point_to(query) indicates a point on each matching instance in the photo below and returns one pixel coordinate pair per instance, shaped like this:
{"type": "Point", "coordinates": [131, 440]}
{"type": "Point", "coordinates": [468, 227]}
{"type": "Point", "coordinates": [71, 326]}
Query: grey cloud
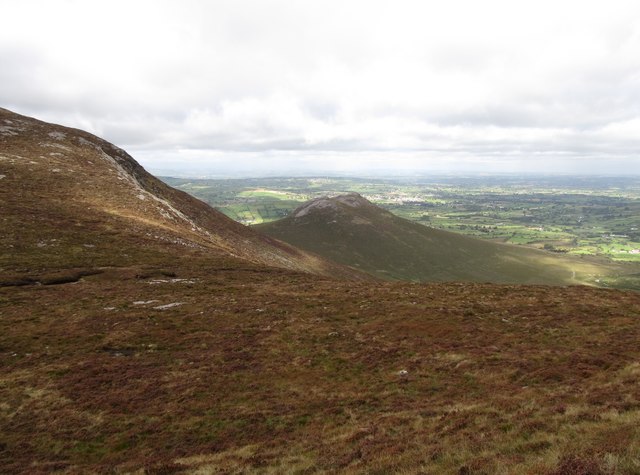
{"type": "Point", "coordinates": [264, 77]}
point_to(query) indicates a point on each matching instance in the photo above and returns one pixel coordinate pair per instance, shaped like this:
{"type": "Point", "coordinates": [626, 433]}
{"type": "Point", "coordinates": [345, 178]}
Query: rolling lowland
{"type": "Point", "coordinates": [141, 331]}
{"type": "Point", "coordinates": [574, 215]}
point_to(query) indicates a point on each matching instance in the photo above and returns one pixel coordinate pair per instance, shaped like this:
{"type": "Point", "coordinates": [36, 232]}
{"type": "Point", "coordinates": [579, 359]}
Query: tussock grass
{"type": "Point", "coordinates": [262, 372]}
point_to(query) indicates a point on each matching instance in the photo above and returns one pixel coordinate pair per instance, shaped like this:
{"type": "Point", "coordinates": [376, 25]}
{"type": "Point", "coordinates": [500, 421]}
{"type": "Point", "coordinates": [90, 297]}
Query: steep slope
{"type": "Point", "coordinates": [69, 198]}
{"type": "Point", "coordinates": [353, 231]}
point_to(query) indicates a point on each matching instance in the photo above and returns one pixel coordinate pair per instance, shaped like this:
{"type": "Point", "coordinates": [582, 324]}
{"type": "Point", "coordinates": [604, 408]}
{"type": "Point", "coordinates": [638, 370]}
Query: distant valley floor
{"type": "Point", "coordinates": [572, 216]}
{"type": "Point", "coordinates": [578, 215]}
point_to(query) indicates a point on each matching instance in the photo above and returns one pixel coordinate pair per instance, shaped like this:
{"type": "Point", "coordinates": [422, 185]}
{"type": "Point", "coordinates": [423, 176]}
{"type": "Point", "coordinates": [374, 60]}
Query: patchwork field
{"type": "Point", "coordinates": [584, 216]}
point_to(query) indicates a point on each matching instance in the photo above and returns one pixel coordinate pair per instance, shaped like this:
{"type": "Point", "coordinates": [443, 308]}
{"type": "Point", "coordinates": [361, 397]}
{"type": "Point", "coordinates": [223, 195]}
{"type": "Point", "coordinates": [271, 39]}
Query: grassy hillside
{"type": "Point", "coordinates": [150, 336]}
{"type": "Point", "coordinates": [350, 230]}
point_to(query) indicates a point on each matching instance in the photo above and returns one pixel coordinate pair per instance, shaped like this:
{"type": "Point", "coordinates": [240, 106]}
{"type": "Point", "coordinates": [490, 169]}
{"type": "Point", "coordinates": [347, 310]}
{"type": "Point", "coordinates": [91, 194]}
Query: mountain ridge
{"type": "Point", "coordinates": [84, 178]}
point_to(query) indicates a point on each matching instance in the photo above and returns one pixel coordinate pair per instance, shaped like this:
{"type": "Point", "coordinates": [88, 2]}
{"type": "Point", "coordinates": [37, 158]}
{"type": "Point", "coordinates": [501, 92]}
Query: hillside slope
{"type": "Point", "coordinates": [351, 230]}
{"type": "Point", "coordinates": [70, 199]}
{"type": "Point", "coordinates": [150, 348]}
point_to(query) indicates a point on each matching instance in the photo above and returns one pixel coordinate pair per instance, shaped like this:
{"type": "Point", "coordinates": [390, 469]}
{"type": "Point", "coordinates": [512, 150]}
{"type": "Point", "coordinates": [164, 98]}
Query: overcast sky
{"type": "Point", "coordinates": [276, 87]}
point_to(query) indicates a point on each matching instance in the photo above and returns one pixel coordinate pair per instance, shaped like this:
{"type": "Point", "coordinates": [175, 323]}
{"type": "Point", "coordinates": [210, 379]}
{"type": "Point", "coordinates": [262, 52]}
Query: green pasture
{"type": "Point", "coordinates": [581, 216]}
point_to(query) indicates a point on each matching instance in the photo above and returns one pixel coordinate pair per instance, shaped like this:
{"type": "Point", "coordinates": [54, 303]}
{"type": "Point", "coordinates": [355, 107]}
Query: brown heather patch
{"type": "Point", "coordinates": [270, 372]}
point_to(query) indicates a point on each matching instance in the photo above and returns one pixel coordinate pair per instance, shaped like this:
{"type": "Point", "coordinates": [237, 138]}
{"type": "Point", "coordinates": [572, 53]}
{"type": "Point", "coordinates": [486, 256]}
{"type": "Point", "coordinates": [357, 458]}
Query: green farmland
{"type": "Point", "coordinates": [583, 216]}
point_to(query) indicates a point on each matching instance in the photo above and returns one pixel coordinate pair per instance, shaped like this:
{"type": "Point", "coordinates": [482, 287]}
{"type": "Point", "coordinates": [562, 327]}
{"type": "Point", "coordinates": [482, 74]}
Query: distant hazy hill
{"type": "Point", "coordinates": [353, 231]}
{"type": "Point", "coordinates": [70, 199]}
